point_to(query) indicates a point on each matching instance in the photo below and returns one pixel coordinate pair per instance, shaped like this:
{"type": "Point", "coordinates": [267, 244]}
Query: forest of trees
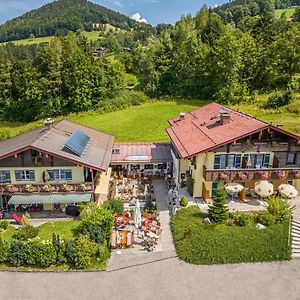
{"type": "Point", "coordinates": [198, 58]}
{"type": "Point", "coordinates": [59, 17]}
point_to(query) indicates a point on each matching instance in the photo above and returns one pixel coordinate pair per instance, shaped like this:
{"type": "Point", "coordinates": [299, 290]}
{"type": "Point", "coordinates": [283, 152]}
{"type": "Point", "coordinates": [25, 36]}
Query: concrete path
{"type": "Point", "coordinates": [165, 248]}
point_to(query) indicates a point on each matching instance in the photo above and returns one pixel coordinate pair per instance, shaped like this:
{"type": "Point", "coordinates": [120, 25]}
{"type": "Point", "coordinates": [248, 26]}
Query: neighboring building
{"type": "Point", "coordinates": [142, 158]}
{"type": "Point", "coordinates": [215, 144]}
{"type": "Point", "coordinates": [61, 162]}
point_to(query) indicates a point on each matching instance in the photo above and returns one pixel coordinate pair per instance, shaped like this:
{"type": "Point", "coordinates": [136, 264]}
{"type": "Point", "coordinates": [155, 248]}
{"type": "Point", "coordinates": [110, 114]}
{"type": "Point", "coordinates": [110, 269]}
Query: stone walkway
{"type": "Point", "coordinates": [164, 250]}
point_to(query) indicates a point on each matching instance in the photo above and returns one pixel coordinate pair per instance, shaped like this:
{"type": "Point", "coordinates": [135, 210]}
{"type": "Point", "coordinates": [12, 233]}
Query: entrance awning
{"type": "Point", "coordinates": [50, 199]}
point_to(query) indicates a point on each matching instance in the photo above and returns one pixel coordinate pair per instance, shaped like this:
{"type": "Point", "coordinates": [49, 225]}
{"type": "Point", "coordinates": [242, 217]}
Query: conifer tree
{"type": "Point", "coordinates": [218, 211]}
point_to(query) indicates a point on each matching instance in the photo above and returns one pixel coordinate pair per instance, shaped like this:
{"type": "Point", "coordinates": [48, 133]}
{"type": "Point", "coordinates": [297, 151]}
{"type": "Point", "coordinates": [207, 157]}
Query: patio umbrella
{"type": "Point", "coordinates": [288, 191]}
{"type": "Point", "coordinates": [137, 215]}
{"type": "Point", "coordinates": [233, 187]}
{"type": "Point", "coordinates": [264, 188]}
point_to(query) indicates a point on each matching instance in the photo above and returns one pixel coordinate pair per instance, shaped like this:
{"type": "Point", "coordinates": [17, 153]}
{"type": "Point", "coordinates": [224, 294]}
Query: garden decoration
{"type": "Point", "coordinates": [233, 187]}
{"type": "Point", "coordinates": [264, 188]}
{"type": "Point", "coordinates": [288, 191]}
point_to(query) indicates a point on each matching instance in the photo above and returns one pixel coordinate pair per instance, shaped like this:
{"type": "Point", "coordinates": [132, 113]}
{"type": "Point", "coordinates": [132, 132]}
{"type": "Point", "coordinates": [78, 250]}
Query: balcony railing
{"type": "Point", "coordinates": [251, 174]}
{"type": "Point", "coordinates": [46, 188]}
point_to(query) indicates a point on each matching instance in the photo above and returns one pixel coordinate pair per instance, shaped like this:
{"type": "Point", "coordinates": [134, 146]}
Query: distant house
{"type": "Point", "coordinates": [60, 163]}
{"type": "Point", "coordinates": [214, 144]}
{"type": "Point", "coordinates": [98, 53]}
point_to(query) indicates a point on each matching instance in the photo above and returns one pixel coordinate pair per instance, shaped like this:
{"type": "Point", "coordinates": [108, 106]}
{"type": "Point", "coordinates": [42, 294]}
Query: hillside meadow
{"type": "Point", "coordinates": [147, 122]}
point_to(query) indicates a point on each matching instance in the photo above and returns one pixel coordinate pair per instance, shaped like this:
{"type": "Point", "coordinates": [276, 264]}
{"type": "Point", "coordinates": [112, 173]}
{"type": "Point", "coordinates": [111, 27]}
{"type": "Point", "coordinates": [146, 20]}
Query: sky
{"type": "Point", "coordinates": [154, 11]}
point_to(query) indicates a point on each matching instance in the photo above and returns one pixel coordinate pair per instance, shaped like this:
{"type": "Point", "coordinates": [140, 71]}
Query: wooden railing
{"type": "Point", "coordinates": [46, 188]}
{"type": "Point", "coordinates": [251, 174]}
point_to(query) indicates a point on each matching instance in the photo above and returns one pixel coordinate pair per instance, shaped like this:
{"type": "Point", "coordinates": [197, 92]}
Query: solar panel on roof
{"type": "Point", "coordinates": [77, 142]}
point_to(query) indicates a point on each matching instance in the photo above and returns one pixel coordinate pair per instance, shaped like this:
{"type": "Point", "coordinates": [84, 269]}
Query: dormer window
{"type": "Point", "coordinates": [116, 151]}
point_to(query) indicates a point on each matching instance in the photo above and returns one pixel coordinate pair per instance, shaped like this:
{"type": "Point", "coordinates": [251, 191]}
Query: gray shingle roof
{"type": "Point", "coordinates": [52, 141]}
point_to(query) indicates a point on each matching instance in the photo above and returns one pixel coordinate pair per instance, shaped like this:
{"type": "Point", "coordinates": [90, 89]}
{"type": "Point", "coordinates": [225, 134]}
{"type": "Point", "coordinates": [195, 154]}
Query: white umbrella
{"type": "Point", "coordinates": [288, 191]}
{"type": "Point", "coordinates": [233, 187]}
{"type": "Point", "coordinates": [137, 215]}
{"type": "Point", "coordinates": [264, 188]}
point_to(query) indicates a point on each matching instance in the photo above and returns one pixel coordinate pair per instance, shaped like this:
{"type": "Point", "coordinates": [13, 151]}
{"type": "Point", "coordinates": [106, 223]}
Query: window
{"type": "Point", "coordinates": [230, 161]}
{"type": "Point", "coordinates": [5, 177]}
{"type": "Point", "coordinates": [60, 175]}
{"type": "Point", "coordinates": [25, 175]}
{"type": "Point", "coordinates": [116, 151]}
{"type": "Point", "coordinates": [162, 166]}
{"type": "Point", "coordinates": [148, 167]}
{"type": "Point", "coordinates": [224, 161]}
{"type": "Point", "coordinates": [291, 158]}
{"type": "Point", "coordinates": [135, 167]}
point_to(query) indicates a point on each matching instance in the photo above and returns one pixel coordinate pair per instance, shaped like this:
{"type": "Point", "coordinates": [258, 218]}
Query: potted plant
{"type": "Point", "coordinates": [85, 187]}
{"type": "Point", "coordinates": [30, 188]}
{"type": "Point", "coordinates": [264, 175]}
{"type": "Point", "coordinates": [243, 175]}
{"type": "Point", "coordinates": [224, 176]}
{"type": "Point", "coordinates": [67, 188]}
{"type": "Point", "coordinates": [281, 174]}
{"type": "Point", "coordinates": [47, 188]}
{"type": "Point", "coordinates": [296, 173]}
{"type": "Point", "coordinates": [12, 189]}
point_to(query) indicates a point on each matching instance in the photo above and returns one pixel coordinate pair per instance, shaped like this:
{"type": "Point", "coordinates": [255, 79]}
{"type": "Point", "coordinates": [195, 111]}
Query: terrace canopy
{"type": "Point", "coordinates": [49, 199]}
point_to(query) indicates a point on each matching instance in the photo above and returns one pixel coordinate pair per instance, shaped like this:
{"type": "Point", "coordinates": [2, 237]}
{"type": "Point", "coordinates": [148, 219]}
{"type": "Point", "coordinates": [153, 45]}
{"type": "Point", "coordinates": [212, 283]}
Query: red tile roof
{"type": "Point", "coordinates": [199, 130]}
{"type": "Point", "coordinates": [141, 153]}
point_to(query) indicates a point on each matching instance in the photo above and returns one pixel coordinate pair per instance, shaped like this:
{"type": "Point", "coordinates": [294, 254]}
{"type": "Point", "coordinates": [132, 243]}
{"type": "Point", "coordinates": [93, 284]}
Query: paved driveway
{"type": "Point", "coordinates": [163, 279]}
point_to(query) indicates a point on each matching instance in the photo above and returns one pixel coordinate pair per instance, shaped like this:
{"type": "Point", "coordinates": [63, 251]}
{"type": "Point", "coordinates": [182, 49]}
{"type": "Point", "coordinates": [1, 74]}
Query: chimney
{"type": "Point", "coordinates": [279, 125]}
{"type": "Point", "coordinates": [182, 115]}
{"type": "Point", "coordinates": [224, 117]}
{"type": "Point", "coordinates": [48, 123]}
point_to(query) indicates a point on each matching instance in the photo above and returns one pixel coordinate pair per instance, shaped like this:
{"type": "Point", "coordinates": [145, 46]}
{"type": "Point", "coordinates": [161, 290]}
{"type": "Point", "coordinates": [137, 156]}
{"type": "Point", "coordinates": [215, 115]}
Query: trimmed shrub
{"type": "Point", "coordinates": [218, 211]}
{"type": "Point", "coordinates": [4, 250]}
{"type": "Point", "coordinates": [99, 216]}
{"type": "Point", "coordinates": [60, 249]}
{"type": "Point", "coordinates": [242, 219]}
{"type": "Point", "coordinates": [183, 202]}
{"type": "Point", "coordinates": [95, 233]}
{"type": "Point", "coordinates": [40, 254]}
{"type": "Point", "coordinates": [85, 252]}
{"type": "Point", "coordinates": [279, 208]}
{"type": "Point", "coordinates": [26, 233]}
{"type": "Point", "coordinates": [18, 253]}
{"type": "Point", "coordinates": [3, 225]}
{"type": "Point", "coordinates": [115, 206]}
{"type": "Point", "coordinates": [70, 252]}
{"type": "Point", "coordinates": [150, 207]}
{"type": "Point", "coordinates": [190, 185]}
{"type": "Point", "coordinates": [102, 253]}
{"type": "Point", "coordinates": [265, 218]}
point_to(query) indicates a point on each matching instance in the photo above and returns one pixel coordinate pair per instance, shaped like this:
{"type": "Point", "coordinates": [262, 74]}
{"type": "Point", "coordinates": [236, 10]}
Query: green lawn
{"type": "Point", "coordinates": [92, 36]}
{"type": "Point", "coordinates": [65, 229]}
{"type": "Point", "coordinates": [199, 243]}
{"type": "Point", "coordinates": [144, 123]}
{"type": "Point", "coordinates": [289, 12]}
{"type": "Point", "coordinates": [147, 122]}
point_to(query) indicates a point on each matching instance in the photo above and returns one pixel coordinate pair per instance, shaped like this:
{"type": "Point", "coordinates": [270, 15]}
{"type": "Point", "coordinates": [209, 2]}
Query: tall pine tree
{"type": "Point", "coordinates": [218, 211]}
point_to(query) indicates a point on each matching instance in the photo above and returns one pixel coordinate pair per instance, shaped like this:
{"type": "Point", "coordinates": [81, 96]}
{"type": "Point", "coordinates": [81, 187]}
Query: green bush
{"type": "Point", "coordinates": [4, 250]}
{"type": "Point", "coordinates": [190, 185]}
{"type": "Point", "coordinates": [102, 253]}
{"type": "Point", "coordinates": [294, 107]}
{"type": "Point", "coordinates": [95, 233]}
{"type": "Point", "coordinates": [115, 205]}
{"type": "Point", "coordinates": [3, 225]}
{"type": "Point", "coordinates": [280, 99]}
{"type": "Point", "coordinates": [26, 233]}
{"type": "Point", "coordinates": [60, 249]}
{"type": "Point", "coordinates": [85, 252]}
{"type": "Point", "coordinates": [265, 218]}
{"type": "Point", "coordinates": [40, 254]}
{"type": "Point", "coordinates": [184, 202]}
{"type": "Point", "coordinates": [149, 207]}
{"type": "Point", "coordinates": [242, 219]}
{"type": "Point", "coordinates": [279, 208]}
{"type": "Point", "coordinates": [18, 253]}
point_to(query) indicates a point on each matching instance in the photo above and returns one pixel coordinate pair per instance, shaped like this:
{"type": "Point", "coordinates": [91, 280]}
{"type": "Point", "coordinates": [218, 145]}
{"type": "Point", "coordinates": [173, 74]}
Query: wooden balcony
{"type": "Point", "coordinates": [46, 188]}
{"type": "Point", "coordinates": [251, 174]}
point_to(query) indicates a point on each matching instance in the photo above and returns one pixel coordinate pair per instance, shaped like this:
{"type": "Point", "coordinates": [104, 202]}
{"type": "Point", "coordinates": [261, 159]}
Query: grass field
{"type": "Point", "coordinates": [289, 12]}
{"type": "Point", "coordinates": [92, 36]}
{"type": "Point", "coordinates": [147, 122]}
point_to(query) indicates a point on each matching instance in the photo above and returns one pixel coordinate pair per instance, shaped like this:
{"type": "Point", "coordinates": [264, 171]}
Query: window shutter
{"type": "Point", "coordinates": [7, 175]}
{"type": "Point", "coordinates": [238, 161]}
{"type": "Point", "coordinates": [51, 174]}
{"type": "Point", "coordinates": [68, 174]}
{"type": "Point", "coordinates": [217, 161]}
{"type": "Point", "coordinates": [31, 175]}
{"type": "Point", "coordinates": [18, 175]}
{"type": "Point", "coordinates": [266, 160]}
